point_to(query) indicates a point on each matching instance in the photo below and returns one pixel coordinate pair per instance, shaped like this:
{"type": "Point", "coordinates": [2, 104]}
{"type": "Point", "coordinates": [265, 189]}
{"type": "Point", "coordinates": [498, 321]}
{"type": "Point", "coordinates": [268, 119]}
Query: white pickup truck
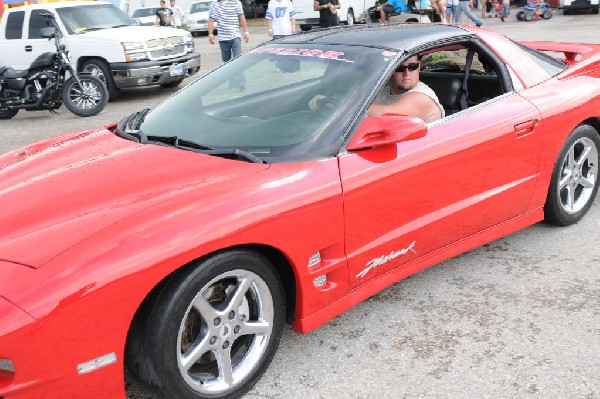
{"type": "Point", "coordinates": [102, 40]}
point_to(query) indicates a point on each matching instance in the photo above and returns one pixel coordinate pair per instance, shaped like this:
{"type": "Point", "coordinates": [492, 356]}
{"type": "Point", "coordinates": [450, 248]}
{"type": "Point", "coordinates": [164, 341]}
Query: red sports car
{"type": "Point", "coordinates": [176, 243]}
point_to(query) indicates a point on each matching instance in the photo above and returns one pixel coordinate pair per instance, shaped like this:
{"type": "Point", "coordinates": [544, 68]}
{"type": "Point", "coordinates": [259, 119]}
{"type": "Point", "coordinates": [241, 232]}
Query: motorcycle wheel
{"type": "Point", "coordinates": [87, 100]}
{"type": "Point", "coordinates": [6, 112]}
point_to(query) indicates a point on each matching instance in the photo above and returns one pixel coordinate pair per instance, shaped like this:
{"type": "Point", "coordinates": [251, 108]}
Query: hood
{"type": "Point", "coordinates": [54, 195]}
{"type": "Point", "coordinates": [134, 33]}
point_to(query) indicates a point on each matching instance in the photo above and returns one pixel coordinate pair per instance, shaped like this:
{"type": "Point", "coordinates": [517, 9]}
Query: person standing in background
{"type": "Point", "coordinates": [178, 15]}
{"type": "Point", "coordinates": [464, 6]}
{"type": "Point", "coordinates": [281, 18]}
{"type": "Point", "coordinates": [505, 9]}
{"type": "Point", "coordinates": [164, 15]}
{"type": "Point", "coordinates": [229, 15]}
{"type": "Point", "coordinates": [327, 12]}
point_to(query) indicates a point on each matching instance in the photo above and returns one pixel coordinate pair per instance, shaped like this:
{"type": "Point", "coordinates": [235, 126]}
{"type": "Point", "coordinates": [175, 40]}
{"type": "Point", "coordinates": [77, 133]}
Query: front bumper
{"type": "Point", "coordinates": [148, 73]}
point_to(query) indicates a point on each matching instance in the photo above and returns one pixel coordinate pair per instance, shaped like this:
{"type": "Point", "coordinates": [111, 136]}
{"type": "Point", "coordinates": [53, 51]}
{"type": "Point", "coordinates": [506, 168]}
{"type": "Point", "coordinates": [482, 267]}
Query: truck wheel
{"type": "Point", "coordinates": [101, 70]}
{"type": "Point", "coordinates": [350, 19]}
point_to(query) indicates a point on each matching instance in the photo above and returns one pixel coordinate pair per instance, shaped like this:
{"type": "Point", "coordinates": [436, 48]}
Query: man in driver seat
{"type": "Point", "coordinates": [408, 95]}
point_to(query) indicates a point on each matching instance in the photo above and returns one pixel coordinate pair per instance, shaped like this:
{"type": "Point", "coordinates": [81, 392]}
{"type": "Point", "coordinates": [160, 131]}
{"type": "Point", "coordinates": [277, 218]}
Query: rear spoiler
{"type": "Point", "coordinates": [581, 57]}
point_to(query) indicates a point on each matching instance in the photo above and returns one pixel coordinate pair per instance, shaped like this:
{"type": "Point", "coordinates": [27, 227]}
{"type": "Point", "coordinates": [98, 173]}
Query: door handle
{"type": "Point", "coordinates": [525, 128]}
{"type": "Point", "coordinates": [28, 48]}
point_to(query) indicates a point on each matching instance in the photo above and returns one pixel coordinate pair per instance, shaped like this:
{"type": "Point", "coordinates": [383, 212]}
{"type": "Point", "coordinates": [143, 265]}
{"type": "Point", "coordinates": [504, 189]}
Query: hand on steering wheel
{"type": "Point", "coordinates": [321, 102]}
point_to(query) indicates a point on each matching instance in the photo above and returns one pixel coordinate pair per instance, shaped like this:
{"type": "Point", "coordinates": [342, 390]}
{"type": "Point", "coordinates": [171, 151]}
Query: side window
{"type": "Point", "coordinates": [449, 63]}
{"type": "Point", "coordinates": [14, 25]}
{"type": "Point", "coordinates": [36, 23]}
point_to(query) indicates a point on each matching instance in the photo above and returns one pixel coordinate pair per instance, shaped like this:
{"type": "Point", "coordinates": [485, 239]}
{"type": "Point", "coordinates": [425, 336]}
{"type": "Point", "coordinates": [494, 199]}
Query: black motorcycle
{"type": "Point", "coordinates": [44, 85]}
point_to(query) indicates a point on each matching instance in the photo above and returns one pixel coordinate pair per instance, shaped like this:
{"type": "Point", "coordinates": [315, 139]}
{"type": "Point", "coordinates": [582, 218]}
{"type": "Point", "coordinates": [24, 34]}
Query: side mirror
{"type": "Point", "coordinates": [48, 32]}
{"type": "Point", "coordinates": [377, 131]}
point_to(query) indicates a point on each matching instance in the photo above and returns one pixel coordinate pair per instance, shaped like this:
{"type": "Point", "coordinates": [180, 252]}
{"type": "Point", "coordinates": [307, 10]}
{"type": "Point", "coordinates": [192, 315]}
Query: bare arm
{"type": "Point", "coordinates": [245, 28]}
{"type": "Point", "coordinates": [211, 29]}
{"type": "Point", "coordinates": [415, 104]}
{"type": "Point", "coordinates": [317, 6]}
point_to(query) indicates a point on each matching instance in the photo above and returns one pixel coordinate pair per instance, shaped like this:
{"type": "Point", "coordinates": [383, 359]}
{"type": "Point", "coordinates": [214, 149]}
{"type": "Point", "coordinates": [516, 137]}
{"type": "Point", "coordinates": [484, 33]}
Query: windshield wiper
{"type": "Point", "coordinates": [229, 153]}
{"type": "Point", "coordinates": [235, 154]}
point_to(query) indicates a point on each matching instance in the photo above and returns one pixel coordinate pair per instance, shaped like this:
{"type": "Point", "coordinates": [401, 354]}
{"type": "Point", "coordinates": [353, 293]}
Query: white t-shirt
{"type": "Point", "coordinates": [385, 98]}
{"type": "Point", "coordinates": [178, 14]}
{"type": "Point", "coordinates": [280, 13]}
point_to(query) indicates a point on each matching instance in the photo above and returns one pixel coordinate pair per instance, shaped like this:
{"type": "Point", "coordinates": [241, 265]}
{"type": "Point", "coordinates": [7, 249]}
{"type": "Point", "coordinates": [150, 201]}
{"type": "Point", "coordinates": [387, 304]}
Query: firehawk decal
{"type": "Point", "coordinates": [372, 264]}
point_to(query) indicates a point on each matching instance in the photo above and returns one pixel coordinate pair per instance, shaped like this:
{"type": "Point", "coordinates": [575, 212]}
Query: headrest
{"type": "Point", "coordinates": [447, 89]}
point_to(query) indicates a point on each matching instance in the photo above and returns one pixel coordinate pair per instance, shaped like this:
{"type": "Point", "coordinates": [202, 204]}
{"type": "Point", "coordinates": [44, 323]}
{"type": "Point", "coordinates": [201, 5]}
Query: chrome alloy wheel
{"type": "Point", "coordinates": [225, 332]}
{"type": "Point", "coordinates": [579, 175]}
{"type": "Point", "coordinates": [95, 70]}
{"type": "Point", "coordinates": [86, 97]}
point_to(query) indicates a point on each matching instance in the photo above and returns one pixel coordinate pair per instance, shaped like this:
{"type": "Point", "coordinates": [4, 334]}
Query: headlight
{"type": "Point", "coordinates": [128, 46]}
{"type": "Point", "coordinates": [134, 51]}
{"type": "Point", "coordinates": [188, 38]}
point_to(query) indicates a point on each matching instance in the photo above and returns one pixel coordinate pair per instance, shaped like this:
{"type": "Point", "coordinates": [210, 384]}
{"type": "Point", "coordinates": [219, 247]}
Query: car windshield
{"type": "Point", "coordinates": [270, 116]}
{"type": "Point", "coordinates": [144, 12]}
{"type": "Point", "coordinates": [81, 19]}
{"type": "Point", "coordinates": [199, 7]}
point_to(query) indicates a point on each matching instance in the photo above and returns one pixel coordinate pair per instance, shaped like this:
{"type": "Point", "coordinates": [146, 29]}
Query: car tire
{"type": "Point", "coordinates": [350, 18]}
{"type": "Point", "coordinates": [6, 112]}
{"type": "Point", "coordinates": [210, 330]}
{"type": "Point", "coordinates": [101, 70]}
{"type": "Point", "coordinates": [574, 182]}
{"type": "Point", "coordinates": [305, 28]}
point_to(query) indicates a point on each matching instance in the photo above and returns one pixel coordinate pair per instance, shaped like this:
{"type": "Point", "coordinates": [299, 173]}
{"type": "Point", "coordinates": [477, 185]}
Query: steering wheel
{"type": "Point", "coordinates": [328, 103]}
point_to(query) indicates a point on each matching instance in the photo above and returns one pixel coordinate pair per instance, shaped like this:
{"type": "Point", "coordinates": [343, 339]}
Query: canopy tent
{"type": "Point", "coordinates": [4, 4]}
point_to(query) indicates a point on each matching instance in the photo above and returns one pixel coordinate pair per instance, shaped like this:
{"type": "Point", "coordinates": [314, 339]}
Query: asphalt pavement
{"type": "Point", "coordinates": [516, 318]}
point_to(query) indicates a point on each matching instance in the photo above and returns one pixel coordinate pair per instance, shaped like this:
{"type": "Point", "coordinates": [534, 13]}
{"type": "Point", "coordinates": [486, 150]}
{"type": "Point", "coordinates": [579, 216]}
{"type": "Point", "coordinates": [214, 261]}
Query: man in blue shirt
{"type": "Point", "coordinates": [392, 7]}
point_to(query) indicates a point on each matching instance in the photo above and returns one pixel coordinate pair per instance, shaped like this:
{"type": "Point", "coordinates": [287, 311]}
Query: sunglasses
{"type": "Point", "coordinates": [411, 67]}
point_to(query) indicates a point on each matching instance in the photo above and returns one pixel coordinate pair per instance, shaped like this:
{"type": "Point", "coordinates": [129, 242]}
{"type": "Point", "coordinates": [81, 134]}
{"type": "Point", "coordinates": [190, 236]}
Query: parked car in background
{"type": "Point", "coordinates": [145, 16]}
{"type": "Point", "coordinates": [197, 18]}
{"type": "Point", "coordinates": [351, 12]}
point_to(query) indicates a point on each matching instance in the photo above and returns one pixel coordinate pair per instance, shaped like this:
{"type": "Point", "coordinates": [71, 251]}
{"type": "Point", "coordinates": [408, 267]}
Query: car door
{"type": "Point", "coordinates": [471, 171]}
{"type": "Point", "coordinates": [31, 44]}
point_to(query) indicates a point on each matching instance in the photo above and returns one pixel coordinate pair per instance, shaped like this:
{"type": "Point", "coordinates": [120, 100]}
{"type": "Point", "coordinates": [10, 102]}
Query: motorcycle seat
{"type": "Point", "coordinates": [9, 73]}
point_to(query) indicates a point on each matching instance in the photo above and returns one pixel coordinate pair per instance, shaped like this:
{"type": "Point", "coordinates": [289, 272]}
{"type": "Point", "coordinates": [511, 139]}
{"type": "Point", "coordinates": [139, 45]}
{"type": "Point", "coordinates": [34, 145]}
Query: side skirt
{"type": "Point", "coordinates": [363, 292]}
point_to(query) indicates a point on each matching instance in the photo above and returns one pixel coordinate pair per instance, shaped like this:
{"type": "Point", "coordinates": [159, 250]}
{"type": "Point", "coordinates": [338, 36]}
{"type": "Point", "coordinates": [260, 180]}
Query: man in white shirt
{"type": "Point", "coordinates": [408, 95]}
{"type": "Point", "coordinates": [178, 15]}
{"type": "Point", "coordinates": [281, 18]}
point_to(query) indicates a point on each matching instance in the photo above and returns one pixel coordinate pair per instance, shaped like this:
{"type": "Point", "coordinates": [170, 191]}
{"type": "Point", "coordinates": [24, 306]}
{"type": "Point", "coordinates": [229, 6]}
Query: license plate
{"type": "Point", "coordinates": [175, 70]}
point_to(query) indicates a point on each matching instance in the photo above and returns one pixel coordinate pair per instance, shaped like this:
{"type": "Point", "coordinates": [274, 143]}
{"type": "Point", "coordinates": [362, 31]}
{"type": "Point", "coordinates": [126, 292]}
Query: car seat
{"type": "Point", "coordinates": [448, 91]}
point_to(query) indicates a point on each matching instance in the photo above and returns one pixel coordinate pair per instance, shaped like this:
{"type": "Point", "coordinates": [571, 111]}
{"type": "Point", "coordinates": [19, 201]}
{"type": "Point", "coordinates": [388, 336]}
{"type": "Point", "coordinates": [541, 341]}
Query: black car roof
{"type": "Point", "coordinates": [390, 36]}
